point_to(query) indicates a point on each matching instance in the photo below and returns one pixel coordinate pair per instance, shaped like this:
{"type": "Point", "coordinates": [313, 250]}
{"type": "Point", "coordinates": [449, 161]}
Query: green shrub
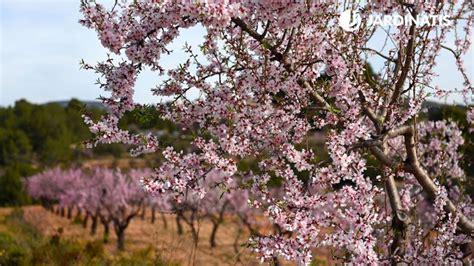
{"type": "Point", "coordinates": [22, 244]}
{"type": "Point", "coordinates": [10, 252]}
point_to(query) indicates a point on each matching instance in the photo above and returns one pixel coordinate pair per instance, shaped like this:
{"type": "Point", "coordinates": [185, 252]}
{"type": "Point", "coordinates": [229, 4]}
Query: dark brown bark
{"type": "Point", "coordinates": [212, 239]}
{"type": "Point", "coordinates": [153, 215]}
{"type": "Point", "coordinates": [143, 213]}
{"type": "Point", "coordinates": [78, 213]}
{"type": "Point", "coordinates": [94, 224]}
{"type": "Point", "coordinates": [120, 238]}
{"type": "Point", "coordinates": [69, 212]}
{"type": "Point", "coordinates": [106, 232]}
{"type": "Point", "coordinates": [86, 219]}
{"type": "Point", "coordinates": [163, 219]}
{"type": "Point", "coordinates": [179, 226]}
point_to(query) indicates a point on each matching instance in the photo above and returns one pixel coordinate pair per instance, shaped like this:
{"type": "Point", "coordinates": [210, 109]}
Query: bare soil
{"type": "Point", "coordinates": [142, 234]}
{"type": "Point", "coordinates": [164, 241]}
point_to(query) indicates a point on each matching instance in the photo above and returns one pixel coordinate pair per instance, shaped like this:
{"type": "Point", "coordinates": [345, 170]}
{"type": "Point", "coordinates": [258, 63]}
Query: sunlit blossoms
{"type": "Point", "coordinates": [270, 76]}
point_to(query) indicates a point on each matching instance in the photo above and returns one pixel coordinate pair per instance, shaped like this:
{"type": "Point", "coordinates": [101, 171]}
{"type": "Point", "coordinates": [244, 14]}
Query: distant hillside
{"type": "Point", "coordinates": [89, 104]}
{"type": "Point", "coordinates": [431, 105]}
{"type": "Point", "coordinates": [438, 111]}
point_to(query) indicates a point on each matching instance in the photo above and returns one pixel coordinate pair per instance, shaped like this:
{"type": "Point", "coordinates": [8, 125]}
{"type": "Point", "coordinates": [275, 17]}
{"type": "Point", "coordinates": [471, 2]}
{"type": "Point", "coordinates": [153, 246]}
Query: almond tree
{"type": "Point", "coordinates": [269, 75]}
{"type": "Point", "coordinates": [54, 186]}
{"type": "Point", "coordinates": [107, 195]}
{"type": "Point", "coordinates": [122, 197]}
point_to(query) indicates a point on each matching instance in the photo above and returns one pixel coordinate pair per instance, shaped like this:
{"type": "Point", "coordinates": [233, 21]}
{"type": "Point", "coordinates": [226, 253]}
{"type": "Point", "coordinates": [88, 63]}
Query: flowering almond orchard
{"type": "Point", "coordinates": [111, 196]}
{"type": "Point", "coordinates": [272, 74]}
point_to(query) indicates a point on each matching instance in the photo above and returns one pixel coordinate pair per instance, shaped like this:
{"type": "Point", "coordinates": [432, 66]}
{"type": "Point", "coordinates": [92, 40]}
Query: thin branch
{"type": "Point", "coordinates": [406, 65]}
{"type": "Point", "coordinates": [379, 54]}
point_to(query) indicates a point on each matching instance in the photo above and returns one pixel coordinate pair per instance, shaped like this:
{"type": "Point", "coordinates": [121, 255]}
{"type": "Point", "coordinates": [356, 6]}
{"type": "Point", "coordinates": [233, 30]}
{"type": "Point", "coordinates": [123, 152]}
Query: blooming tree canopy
{"type": "Point", "coordinates": [109, 194]}
{"type": "Point", "coordinates": [271, 75]}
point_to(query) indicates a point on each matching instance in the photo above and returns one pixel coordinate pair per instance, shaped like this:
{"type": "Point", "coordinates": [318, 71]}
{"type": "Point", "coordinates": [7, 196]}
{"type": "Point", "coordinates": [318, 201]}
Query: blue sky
{"type": "Point", "coordinates": [42, 43]}
{"type": "Point", "coordinates": [41, 46]}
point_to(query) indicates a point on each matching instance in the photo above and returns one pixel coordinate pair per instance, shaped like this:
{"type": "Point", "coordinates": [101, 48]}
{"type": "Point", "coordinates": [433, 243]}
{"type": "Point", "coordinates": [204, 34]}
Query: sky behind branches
{"type": "Point", "coordinates": [42, 43]}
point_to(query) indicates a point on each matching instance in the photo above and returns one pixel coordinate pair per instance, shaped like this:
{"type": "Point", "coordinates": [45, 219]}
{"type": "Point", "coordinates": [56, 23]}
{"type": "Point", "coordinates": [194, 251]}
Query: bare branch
{"type": "Point", "coordinates": [379, 54]}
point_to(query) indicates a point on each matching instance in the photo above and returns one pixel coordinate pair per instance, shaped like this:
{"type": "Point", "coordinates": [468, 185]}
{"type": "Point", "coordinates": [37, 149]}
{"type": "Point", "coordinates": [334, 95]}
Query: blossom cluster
{"type": "Point", "coordinates": [272, 75]}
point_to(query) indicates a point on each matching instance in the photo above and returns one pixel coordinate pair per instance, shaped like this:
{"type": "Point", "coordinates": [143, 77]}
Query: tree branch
{"type": "Point", "coordinates": [379, 54]}
{"type": "Point", "coordinates": [412, 165]}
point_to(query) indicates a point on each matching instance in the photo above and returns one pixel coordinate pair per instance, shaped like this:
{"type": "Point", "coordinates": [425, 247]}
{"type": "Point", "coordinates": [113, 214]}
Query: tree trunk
{"type": "Point", "coordinates": [120, 238]}
{"type": "Point", "coordinates": [94, 224]}
{"type": "Point", "coordinates": [153, 215]}
{"type": "Point", "coordinates": [62, 212]}
{"type": "Point", "coordinates": [106, 232]}
{"type": "Point", "coordinates": [275, 261]}
{"type": "Point", "coordinates": [179, 226]}
{"type": "Point", "coordinates": [236, 243]}
{"type": "Point", "coordinates": [86, 219]}
{"type": "Point", "coordinates": [78, 213]}
{"type": "Point", "coordinates": [212, 239]}
{"type": "Point", "coordinates": [400, 221]}
{"type": "Point", "coordinates": [163, 218]}
{"type": "Point", "coordinates": [143, 213]}
{"type": "Point", "coordinates": [195, 234]}
{"type": "Point", "coordinates": [69, 212]}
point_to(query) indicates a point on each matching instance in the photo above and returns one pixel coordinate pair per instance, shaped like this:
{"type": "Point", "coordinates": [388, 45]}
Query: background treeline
{"type": "Point", "coordinates": [34, 137]}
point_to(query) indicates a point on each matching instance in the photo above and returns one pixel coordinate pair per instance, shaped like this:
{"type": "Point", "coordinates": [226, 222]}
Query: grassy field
{"type": "Point", "coordinates": [34, 236]}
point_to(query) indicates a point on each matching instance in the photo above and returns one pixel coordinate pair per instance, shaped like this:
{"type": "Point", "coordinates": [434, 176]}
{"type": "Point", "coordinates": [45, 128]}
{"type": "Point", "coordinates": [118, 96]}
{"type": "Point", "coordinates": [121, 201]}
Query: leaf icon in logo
{"type": "Point", "coordinates": [350, 20]}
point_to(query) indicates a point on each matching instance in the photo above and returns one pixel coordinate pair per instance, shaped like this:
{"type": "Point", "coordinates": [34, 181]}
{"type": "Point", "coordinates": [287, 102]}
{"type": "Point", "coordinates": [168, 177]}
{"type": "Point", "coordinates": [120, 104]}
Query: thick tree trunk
{"type": "Point", "coordinates": [179, 226]}
{"type": "Point", "coordinates": [236, 244]}
{"type": "Point", "coordinates": [212, 239]}
{"type": "Point", "coordinates": [165, 222]}
{"type": "Point", "coordinates": [78, 213]}
{"type": "Point", "coordinates": [106, 232]}
{"type": "Point", "coordinates": [94, 225]}
{"type": "Point", "coordinates": [400, 221]}
{"type": "Point", "coordinates": [275, 261]}
{"type": "Point", "coordinates": [194, 233]}
{"type": "Point", "coordinates": [69, 212]}
{"type": "Point", "coordinates": [143, 213]}
{"type": "Point", "coordinates": [62, 212]}
{"type": "Point", "coordinates": [120, 238]}
{"type": "Point", "coordinates": [153, 215]}
{"type": "Point", "coordinates": [86, 219]}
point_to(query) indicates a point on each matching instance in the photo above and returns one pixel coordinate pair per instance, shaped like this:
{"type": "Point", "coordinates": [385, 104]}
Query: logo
{"type": "Point", "coordinates": [350, 20]}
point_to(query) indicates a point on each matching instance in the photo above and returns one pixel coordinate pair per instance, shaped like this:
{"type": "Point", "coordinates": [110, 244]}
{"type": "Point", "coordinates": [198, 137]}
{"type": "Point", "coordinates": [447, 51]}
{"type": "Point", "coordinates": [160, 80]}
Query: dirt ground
{"type": "Point", "coordinates": [165, 241]}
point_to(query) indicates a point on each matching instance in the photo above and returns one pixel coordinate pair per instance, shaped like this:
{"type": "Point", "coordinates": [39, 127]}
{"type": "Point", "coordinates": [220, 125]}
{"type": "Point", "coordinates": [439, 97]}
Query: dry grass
{"type": "Point", "coordinates": [166, 242]}
{"type": "Point", "coordinates": [4, 212]}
